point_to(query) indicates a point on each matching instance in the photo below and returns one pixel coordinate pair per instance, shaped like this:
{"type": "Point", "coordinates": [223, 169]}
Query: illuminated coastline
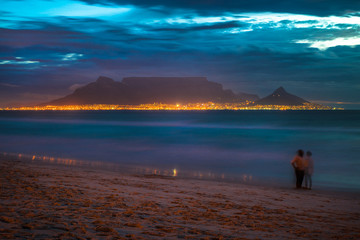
{"type": "Point", "coordinates": [173, 107]}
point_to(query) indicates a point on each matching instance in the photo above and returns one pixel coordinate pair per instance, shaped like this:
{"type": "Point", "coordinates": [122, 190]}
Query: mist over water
{"type": "Point", "coordinates": [227, 144]}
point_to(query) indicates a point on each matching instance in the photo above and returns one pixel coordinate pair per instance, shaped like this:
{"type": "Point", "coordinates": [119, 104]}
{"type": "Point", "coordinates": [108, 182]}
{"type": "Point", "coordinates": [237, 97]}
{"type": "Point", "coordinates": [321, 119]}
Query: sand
{"type": "Point", "coordinates": [40, 201]}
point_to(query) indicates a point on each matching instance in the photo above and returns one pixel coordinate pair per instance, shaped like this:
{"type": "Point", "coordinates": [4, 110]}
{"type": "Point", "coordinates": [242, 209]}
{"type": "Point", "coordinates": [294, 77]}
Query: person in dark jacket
{"type": "Point", "coordinates": [298, 164]}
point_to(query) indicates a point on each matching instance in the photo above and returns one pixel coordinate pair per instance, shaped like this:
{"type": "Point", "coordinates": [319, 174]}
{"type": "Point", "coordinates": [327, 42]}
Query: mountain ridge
{"type": "Point", "coordinates": [167, 90]}
{"type": "Point", "coordinates": [144, 90]}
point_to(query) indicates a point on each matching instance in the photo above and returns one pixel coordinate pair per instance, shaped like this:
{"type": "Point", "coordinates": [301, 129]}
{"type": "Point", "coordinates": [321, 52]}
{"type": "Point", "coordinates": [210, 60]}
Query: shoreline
{"type": "Point", "coordinates": [185, 174]}
{"type": "Point", "coordinates": [53, 201]}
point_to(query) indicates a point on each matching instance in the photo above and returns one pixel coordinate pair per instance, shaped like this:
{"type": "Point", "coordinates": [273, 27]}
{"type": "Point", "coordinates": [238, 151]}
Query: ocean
{"type": "Point", "coordinates": [253, 147]}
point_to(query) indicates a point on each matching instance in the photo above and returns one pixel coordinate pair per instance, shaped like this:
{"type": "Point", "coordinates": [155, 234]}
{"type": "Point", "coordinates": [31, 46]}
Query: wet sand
{"type": "Point", "coordinates": [40, 201]}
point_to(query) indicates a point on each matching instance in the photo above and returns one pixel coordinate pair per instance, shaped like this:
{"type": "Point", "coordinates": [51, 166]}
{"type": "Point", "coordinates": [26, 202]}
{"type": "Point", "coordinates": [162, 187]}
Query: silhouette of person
{"type": "Point", "coordinates": [298, 164]}
{"type": "Point", "coordinates": [309, 169]}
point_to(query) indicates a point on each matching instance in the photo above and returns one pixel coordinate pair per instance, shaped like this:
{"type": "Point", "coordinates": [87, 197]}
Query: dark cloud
{"type": "Point", "coordinates": [200, 27]}
{"type": "Point", "coordinates": [316, 7]}
{"type": "Point", "coordinates": [45, 37]}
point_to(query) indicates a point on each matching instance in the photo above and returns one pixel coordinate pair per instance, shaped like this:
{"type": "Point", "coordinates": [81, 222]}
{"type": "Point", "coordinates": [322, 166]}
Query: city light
{"type": "Point", "coordinates": [248, 105]}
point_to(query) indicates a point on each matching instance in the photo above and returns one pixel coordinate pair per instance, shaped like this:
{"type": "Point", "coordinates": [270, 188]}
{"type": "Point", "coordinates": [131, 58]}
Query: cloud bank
{"type": "Point", "coordinates": [312, 48]}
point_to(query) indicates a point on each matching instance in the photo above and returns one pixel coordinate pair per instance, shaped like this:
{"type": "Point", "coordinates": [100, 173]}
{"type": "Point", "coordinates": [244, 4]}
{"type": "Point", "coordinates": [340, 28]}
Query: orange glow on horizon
{"type": "Point", "coordinates": [248, 105]}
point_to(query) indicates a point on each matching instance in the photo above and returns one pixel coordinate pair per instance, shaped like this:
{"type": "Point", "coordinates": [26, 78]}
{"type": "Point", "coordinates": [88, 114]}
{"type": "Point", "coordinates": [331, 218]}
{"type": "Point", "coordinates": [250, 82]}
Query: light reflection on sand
{"type": "Point", "coordinates": [141, 170]}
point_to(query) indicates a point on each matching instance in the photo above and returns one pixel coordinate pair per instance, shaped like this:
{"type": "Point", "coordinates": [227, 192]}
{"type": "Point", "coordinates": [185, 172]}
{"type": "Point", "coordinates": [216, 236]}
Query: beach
{"type": "Point", "coordinates": [45, 201]}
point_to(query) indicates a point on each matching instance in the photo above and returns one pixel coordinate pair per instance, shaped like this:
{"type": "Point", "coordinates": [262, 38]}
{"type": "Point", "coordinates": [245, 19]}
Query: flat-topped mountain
{"type": "Point", "coordinates": [143, 90]}
{"type": "Point", "coordinates": [281, 97]}
{"type": "Point", "coordinates": [103, 91]}
{"type": "Point", "coordinates": [179, 89]}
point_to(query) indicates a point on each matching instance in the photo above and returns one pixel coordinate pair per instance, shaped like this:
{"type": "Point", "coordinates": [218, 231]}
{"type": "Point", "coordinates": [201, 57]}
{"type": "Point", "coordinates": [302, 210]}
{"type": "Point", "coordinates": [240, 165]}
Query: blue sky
{"type": "Point", "coordinates": [310, 47]}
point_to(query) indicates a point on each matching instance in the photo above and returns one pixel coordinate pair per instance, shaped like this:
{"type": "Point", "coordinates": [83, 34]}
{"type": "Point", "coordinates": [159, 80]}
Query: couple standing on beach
{"type": "Point", "coordinates": [304, 167]}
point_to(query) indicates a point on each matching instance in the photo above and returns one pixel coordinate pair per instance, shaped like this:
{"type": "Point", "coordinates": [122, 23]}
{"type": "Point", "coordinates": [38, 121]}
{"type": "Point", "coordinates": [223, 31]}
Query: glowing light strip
{"type": "Point", "coordinates": [174, 107]}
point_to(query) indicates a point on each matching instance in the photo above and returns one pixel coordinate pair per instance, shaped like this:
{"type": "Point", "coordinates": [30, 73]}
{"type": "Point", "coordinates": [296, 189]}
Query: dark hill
{"type": "Point", "coordinates": [142, 90]}
{"type": "Point", "coordinates": [103, 91]}
{"type": "Point", "coordinates": [281, 97]}
{"type": "Point", "coordinates": [248, 96]}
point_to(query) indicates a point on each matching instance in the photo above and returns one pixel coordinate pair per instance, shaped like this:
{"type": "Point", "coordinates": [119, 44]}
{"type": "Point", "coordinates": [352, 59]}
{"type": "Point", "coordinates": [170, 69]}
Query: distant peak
{"type": "Point", "coordinates": [280, 91]}
{"type": "Point", "coordinates": [103, 79]}
{"type": "Point", "coordinates": [281, 97]}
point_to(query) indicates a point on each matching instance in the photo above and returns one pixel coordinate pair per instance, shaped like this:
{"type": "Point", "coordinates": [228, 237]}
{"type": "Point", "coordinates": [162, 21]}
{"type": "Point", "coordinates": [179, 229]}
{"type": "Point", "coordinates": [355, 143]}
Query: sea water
{"type": "Point", "coordinates": [247, 146]}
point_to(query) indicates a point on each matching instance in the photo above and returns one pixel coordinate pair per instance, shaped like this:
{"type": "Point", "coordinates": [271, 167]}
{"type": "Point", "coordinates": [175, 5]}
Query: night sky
{"type": "Point", "coordinates": [310, 47]}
